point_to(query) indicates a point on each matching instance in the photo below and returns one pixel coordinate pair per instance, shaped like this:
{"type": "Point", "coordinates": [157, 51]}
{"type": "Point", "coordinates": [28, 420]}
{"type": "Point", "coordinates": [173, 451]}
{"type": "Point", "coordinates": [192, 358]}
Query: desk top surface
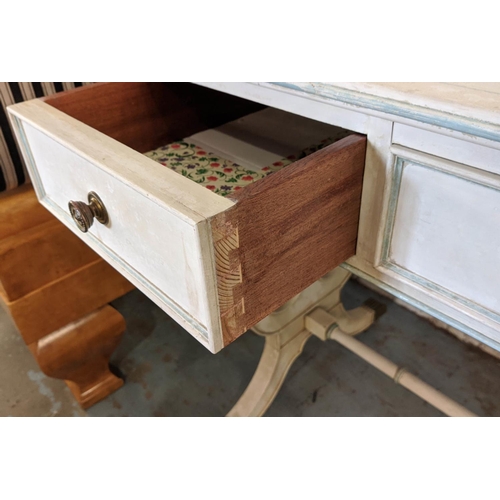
{"type": "Point", "coordinates": [472, 108]}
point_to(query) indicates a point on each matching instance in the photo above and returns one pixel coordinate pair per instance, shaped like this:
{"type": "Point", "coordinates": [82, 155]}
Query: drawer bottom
{"type": "Point", "coordinates": [225, 164]}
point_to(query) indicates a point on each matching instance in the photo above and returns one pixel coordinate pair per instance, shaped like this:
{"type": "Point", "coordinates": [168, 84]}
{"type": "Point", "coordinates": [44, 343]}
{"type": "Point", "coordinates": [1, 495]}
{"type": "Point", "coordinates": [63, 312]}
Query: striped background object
{"type": "Point", "coordinates": [12, 169]}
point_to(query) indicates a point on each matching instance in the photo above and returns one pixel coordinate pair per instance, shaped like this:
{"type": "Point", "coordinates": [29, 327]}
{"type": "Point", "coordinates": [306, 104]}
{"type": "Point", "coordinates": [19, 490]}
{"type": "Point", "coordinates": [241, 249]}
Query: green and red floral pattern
{"type": "Point", "coordinates": [218, 174]}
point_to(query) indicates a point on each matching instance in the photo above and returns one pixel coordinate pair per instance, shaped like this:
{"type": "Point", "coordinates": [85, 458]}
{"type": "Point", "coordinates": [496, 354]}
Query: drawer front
{"type": "Point", "coordinates": [468, 152]}
{"type": "Point", "coordinates": [156, 247]}
{"type": "Point", "coordinates": [216, 265]}
{"type": "Point", "coordinates": [442, 234]}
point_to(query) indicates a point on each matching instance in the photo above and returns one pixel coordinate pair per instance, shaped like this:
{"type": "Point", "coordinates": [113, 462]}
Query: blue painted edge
{"type": "Point", "coordinates": [393, 205]}
{"type": "Point", "coordinates": [386, 261]}
{"type": "Point", "coordinates": [443, 291]}
{"type": "Point", "coordinates": [486, 130]}
{"type": "Point", "coordinates": [425, 308]}
{"type": "Point", "coordinates": [29, 155]}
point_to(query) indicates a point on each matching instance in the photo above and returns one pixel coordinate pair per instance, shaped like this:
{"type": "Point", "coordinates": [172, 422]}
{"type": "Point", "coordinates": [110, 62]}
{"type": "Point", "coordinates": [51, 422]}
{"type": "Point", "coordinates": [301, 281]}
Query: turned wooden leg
{"type": "Point", "coordinates": [79, 354]}
{"type": "Point", "coordinates": [286, 333]}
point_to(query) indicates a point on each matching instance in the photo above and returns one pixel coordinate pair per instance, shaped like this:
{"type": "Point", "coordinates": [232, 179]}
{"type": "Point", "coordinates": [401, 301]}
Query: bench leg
{"type": "Point", "coordinates": [79, 354]}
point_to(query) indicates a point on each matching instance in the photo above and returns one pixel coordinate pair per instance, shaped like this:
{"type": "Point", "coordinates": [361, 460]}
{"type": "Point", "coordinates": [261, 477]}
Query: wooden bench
{"type": "Point", "coordinates": [57, 291]}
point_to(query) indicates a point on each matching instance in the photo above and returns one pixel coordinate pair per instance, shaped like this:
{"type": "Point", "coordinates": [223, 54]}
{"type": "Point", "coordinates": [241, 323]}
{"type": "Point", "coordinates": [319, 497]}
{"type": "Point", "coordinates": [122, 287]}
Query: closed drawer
{"type": "Point", "coordinates": [468, 152]}
{"type": "Point", "coordinates": [216, 264]}
{"type": "Point", "coordinates": [442, 237]}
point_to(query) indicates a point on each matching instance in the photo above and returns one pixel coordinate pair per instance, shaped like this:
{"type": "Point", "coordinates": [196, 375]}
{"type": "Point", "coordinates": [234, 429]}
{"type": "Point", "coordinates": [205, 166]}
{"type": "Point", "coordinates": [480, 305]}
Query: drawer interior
{"type": "Point", "coordinates": [217, 140]}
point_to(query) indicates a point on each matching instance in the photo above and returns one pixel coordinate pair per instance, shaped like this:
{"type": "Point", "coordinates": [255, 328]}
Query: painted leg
{"type": "Point", "coordinates": [79, 354]}
{"type": "Point", "coordinates": [280, 351]}
{"type": "Point", "coordinates": [286, 333]}
{"type": "Point", "coordinates": [354, 321]}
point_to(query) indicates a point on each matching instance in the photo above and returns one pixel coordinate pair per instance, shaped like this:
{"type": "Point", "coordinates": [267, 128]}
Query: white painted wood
{"type": "Point", "coordinates": [280, 351]}
{"type": "Point", "coordinates": [446, 232]}
{"type": "Point", "coordinates": [313, 107]}
{"type": "Point", "coordinates": [376, 191]}
{"type": "Point", "coordinates": [469, 321]}
{"type": "Point", "coordinates": [469, 111]}
{"type": "Point", "coordinates": [455, 169]}
{"type": "Point", "coordinates": [158, 234]}
{"type": "Point", "coordinates": [468, 153]}
{"type": "Point", "coordinates": [137, 231]}
{"type": "Point", "coordinates": [320, 322]}
{"type": "Point", "coordinates": [458, 311]}
{"type": "Point", "coordinates": [367, 260]}
{"type": "Point", "coordinates": [479, 101]}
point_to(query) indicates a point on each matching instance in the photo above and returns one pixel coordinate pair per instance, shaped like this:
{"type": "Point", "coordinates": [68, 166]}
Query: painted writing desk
{"type": "Point", "coordinates": [408, 199]}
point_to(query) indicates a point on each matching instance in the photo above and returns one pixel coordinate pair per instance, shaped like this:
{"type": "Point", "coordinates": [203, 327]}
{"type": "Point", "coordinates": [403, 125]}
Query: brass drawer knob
{"type": "Point", "coordinates": [84, 214]}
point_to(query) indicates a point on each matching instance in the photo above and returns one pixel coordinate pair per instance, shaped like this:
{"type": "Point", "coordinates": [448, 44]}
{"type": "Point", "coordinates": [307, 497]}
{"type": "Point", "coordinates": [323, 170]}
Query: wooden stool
{"type": "Point", "coordinates": [56, 290]}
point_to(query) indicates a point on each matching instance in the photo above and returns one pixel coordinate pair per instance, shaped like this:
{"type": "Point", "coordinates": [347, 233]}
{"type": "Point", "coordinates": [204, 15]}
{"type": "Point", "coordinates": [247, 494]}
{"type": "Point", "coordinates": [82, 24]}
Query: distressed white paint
{"type": "Point", "coordinates": [316, 101]}
{"type": "Point", "coordinates": [323, 110]}
{"type": "Point", "coordinates": [158, 245]}
{"type": "Point", "coordinates": [157, 235]}
{"type": "Point", "coordinates": [478, 101]}
{"type": "Point", "coordinates": [375, 195]}
{"type": "Point", "coordinates": [472, 111]}
{"type": "Point", "coordinates": [468, 153]}
{"type": "Point", "coordinates": [446, 231]}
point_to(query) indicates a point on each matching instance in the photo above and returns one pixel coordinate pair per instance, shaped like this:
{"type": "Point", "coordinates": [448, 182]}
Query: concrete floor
{"type": "Point", "coordinates": [168, 373]}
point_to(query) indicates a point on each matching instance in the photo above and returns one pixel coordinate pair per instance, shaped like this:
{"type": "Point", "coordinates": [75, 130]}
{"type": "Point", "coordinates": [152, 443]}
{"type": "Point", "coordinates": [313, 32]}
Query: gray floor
{"type": "Point", "coordinates": [168, 373]}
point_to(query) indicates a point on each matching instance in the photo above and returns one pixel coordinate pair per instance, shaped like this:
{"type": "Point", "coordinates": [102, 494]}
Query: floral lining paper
{"type": "Point", "coordinates": [217, 174]}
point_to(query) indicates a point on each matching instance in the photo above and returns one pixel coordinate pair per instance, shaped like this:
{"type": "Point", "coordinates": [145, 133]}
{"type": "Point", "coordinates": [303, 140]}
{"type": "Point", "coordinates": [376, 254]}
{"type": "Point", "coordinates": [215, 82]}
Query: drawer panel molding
{"type": "Point", "coordinates": [442, 230]}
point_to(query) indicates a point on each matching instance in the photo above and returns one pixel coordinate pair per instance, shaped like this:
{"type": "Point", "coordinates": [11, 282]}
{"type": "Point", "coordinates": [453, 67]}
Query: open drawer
{"type": "Point", "coordinates": [216, 264]}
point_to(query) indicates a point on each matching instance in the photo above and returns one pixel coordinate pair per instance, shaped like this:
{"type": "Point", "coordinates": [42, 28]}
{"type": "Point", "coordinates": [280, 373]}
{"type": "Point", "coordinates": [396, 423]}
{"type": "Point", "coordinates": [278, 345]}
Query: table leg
{"type": "Point", "coordinates": [286, 334]}
{"type": "Point", "coordinates": [280, 351]}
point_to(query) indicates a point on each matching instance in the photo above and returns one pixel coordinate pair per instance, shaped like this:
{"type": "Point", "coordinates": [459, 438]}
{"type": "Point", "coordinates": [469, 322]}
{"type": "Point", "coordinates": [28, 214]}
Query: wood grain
{"type": "Point", "coordinates": [60, 302]}
{"type": "Point", "coordinates": [39, 255]}
{"type": "Point", "coordinates": [145, 116]}
{"type": "Point", "coordinates": [293, 227]}
{"type": "Point", "coordinates": [228, 272]}
{"type": "Point", "coordinates": [79, 354]}
{"type": "Point", "coordinates": [20, 210]}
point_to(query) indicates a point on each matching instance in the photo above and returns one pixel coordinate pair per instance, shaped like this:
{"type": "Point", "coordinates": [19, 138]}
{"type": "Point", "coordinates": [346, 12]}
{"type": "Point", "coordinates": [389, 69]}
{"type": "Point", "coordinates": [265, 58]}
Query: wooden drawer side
{"type": "Point", "coordinates": [144, 115]}
{"type": "Point", "coordinates": [287, 231]}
